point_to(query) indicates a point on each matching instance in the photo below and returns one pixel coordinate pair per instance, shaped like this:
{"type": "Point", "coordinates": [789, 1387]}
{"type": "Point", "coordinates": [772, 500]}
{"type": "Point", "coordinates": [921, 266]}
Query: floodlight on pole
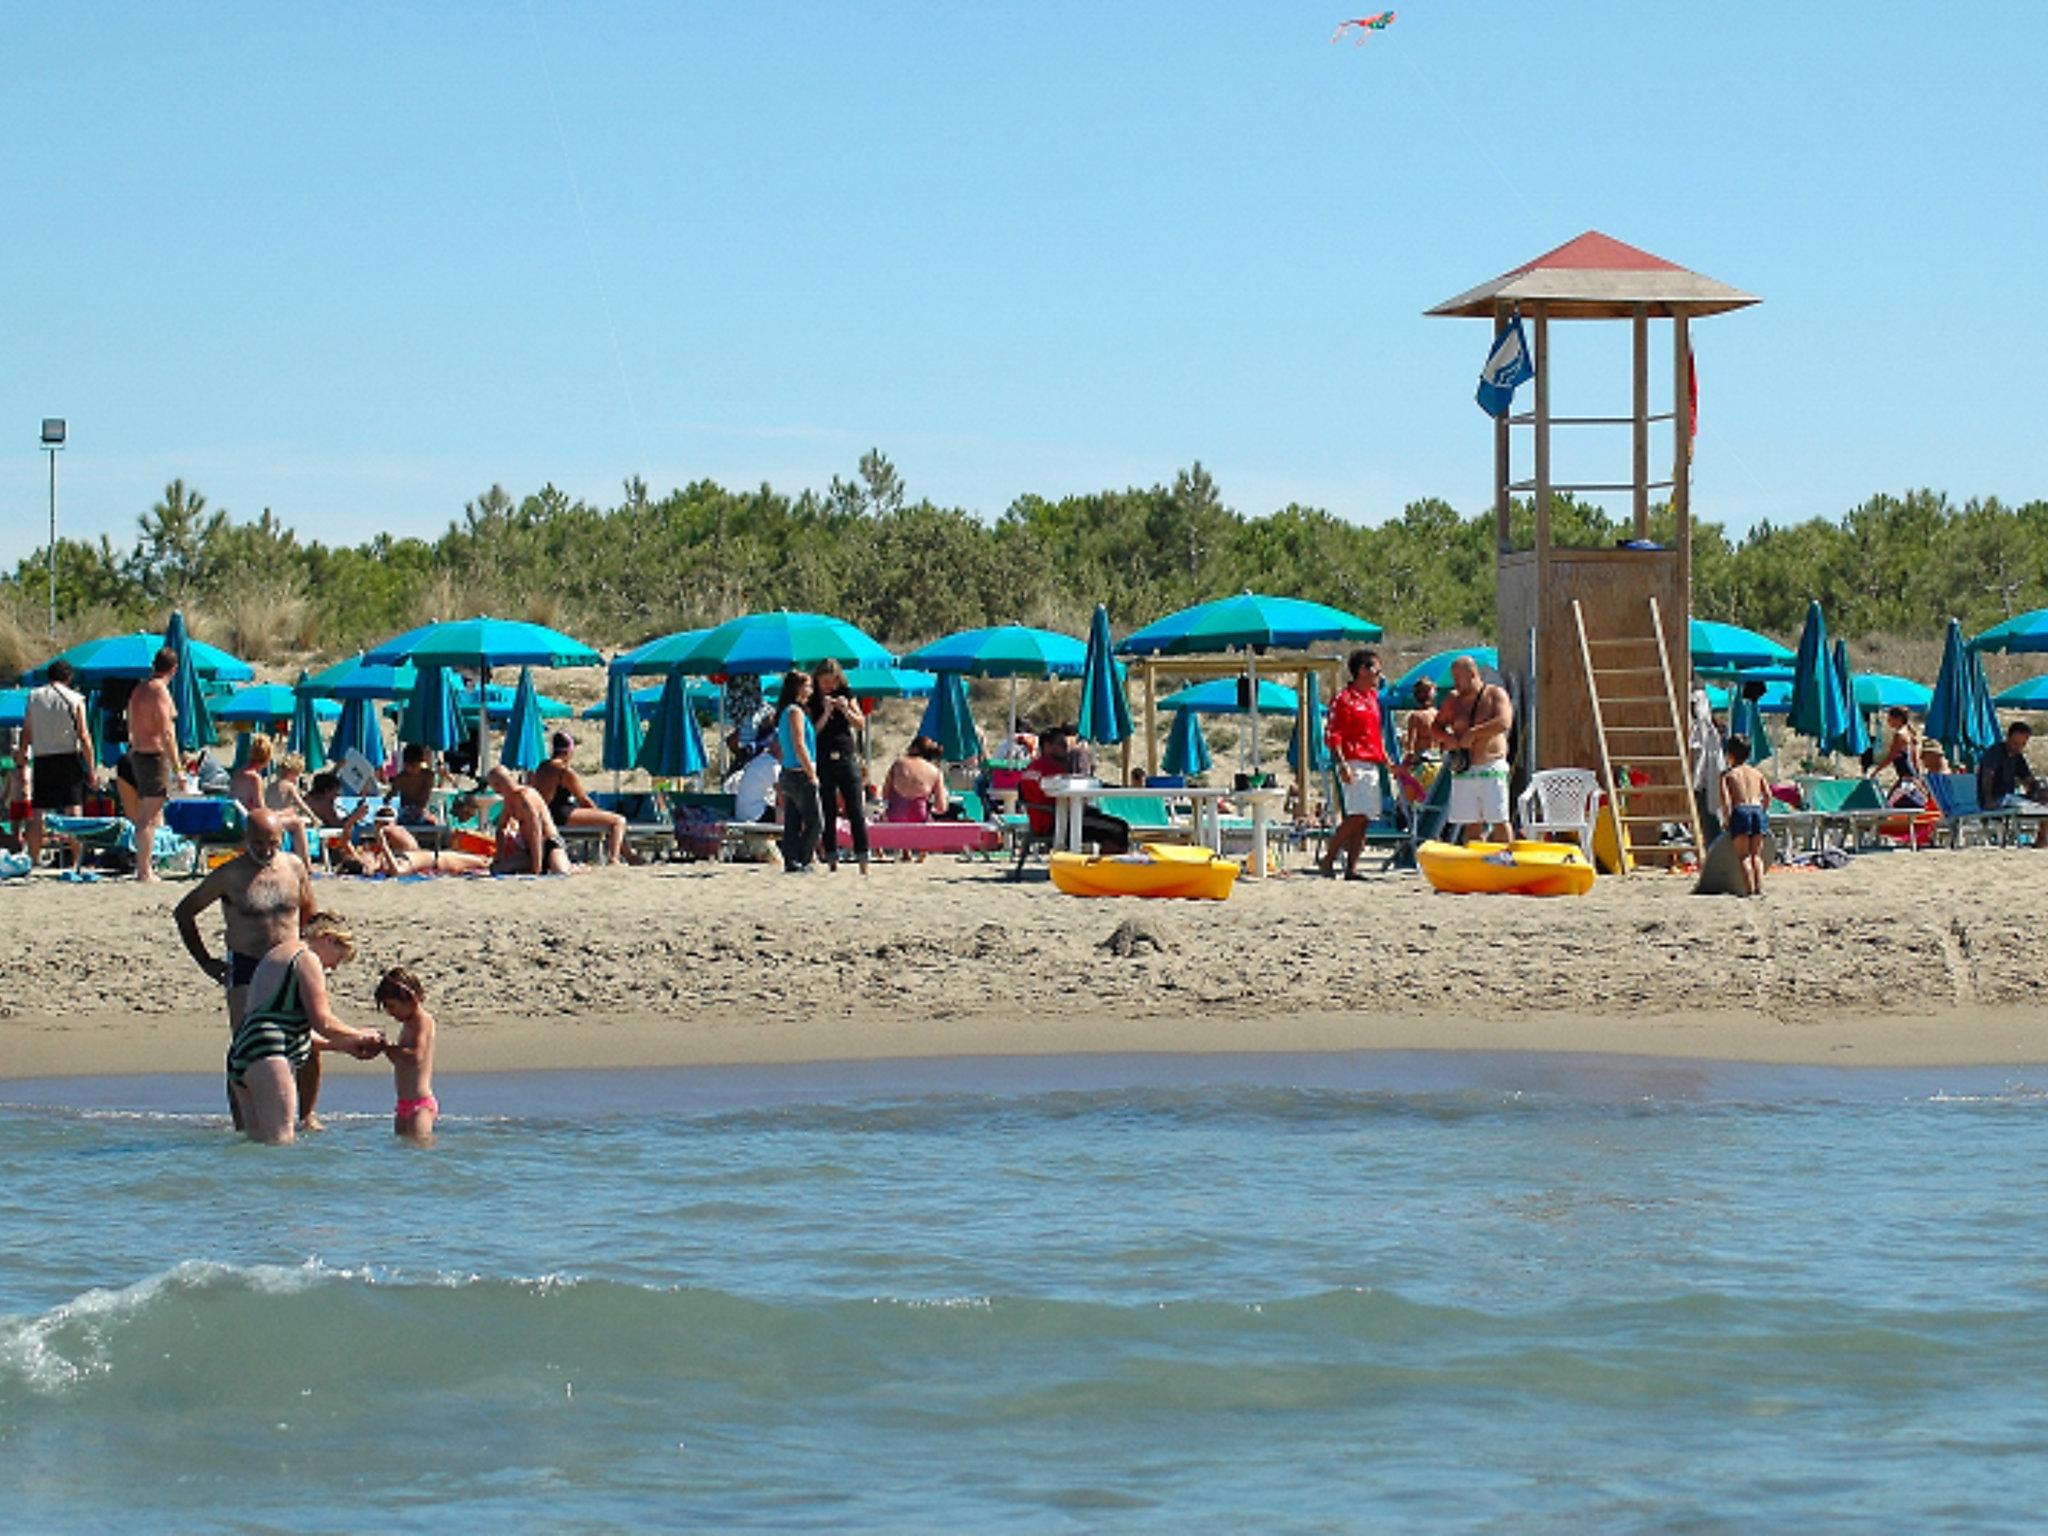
{"type": "Point", "coordinates": [53, 442]}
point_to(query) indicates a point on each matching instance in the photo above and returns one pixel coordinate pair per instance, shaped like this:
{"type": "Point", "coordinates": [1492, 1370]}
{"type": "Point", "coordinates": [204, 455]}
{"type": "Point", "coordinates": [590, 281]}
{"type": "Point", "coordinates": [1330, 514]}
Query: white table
{"type": "Point", "coordinates": [1069, 795]}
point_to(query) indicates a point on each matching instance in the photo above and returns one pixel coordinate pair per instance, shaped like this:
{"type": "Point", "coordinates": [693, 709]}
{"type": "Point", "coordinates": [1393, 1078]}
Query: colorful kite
{"type": "Point", "coordinates": [1364, 26]}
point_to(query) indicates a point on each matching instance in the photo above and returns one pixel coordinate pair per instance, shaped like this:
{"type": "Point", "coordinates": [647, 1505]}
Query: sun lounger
{"type": "Point", "coordinates": [1955, 796]}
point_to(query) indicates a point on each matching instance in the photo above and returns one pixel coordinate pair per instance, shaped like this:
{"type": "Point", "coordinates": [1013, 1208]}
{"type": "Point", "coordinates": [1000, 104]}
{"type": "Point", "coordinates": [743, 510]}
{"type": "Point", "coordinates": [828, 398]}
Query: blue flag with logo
{"type": "Point", "coordinates": [1507, 368]}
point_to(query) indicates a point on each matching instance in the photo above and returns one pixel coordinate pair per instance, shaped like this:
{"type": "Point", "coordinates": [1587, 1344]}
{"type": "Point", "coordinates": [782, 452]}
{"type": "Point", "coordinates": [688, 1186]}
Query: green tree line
{"type": "Point", "coordinates": [910, 570]}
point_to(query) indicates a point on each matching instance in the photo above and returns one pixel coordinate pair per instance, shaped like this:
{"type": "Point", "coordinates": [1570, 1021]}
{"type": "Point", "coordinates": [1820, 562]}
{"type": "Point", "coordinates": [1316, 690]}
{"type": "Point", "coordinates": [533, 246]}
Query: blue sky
{"type": "Point", "coordinates": [356, 263]}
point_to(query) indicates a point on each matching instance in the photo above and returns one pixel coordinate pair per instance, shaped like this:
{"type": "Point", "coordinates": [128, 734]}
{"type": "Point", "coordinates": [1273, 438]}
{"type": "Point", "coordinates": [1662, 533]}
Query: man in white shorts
{"type": "Point", "coordinates": [1355, 733]}
{"type": "Point", "coordinates": [1472, 726]}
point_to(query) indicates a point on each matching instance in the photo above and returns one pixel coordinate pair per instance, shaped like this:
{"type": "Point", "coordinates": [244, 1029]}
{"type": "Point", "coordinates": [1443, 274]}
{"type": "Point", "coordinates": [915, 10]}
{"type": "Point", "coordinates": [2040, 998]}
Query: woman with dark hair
{"type": "Point", "coordinates": [796, 741]}
{"type": "Point", "coordinates": [915, 789]}
{"type": "Point", "coordinates": [836, 714]}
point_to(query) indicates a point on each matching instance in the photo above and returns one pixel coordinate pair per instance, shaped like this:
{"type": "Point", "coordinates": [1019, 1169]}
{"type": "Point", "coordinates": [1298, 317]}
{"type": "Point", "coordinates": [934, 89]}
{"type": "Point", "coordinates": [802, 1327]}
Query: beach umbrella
{"type": "Point", "coordinates": [1006, 650]}
{"type": "Point", "coordinates": [131, 656]}
{"type": "Point", "coordinates": [524, 748]}
{"type": "Point", "coordinates": [195, 723]}
{"type": "Point", "coordinates": [1729, 647]}
{"type": "Point", "coordinates": [621, 722]}
{"type": "Point", "coordinates": [1246, 621]}
{"type": "Point", "coordinates": [634, 662]}
{"type": "Point", "coordinates": [2031, 694]}
{"type": "Point", "coordinates": [1187, 749]}
{"type": "Point", "coordinates": [307, 711]}
{"type": "Point", "coordinates": [766, 642]}
{"type": "Point", "coordinates": [1817, 707]}
{"type": "Point", "coordinates": [267, 704]}
{"type": "Point", "coordinates": [704, 700]}
{"type": "Point", "coordinates": [499, 701]}
{"type": "Point", "coordinates": [2025, 632]}
{"type": "Point", "coordinates": [485, 643]}
{"type": "Point", "coordinates": [13, 708]}
{"type": "Point", "coordinates": [1881, 690]}
{"type": "Point", "coordinates": [1960, 715]}
{"type": "Point", "coordinates": [358, 730]}
{"type": "Point", "coordinates": [949, 722]}
{"type": "Point", "coordinates": [1437, 669]}
{"type": "Point", "coordinates": [1226, 696]}
{"type": "Point", "coordinates": [1105, 712]}
{"type": "Point", "coordinates": [430, 718]}
{"type": "Point", "coordinates": [1854, 739]}
{"type": "Point", "coordinates": [672, 748]}
{"type": "Point", "coordinates": [1746, 718]}
{"type": "Point", "coordinates": [891, 682]}
{"type": "Point", "coordinates": [356, 678]}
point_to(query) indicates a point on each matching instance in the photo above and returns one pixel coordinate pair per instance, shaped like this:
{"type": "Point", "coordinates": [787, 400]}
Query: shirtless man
{"type": "Point", "coordinates": [1416, 737]}
{"type": "Point", "coordinates": [1472, 725]}
{"type": "Point", "coordinates": [152, 754]}
{"type": "Point", "coordinates": [529, 843]}
{"type": "Point", "coordinates": [264, 896]}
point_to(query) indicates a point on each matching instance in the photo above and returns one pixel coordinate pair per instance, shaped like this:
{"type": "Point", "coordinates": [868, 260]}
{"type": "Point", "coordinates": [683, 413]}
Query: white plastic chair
{"type": "Point", "coordinates": [1560, 800]}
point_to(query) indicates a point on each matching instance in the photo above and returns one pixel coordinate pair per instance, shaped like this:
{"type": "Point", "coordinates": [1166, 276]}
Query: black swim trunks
{"type": "Point", "coordinates": [242, 968]}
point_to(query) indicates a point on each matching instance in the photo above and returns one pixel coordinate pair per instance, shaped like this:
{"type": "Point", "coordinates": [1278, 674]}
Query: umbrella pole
{"type": "Point", "coordinates": [1013, 706]}
{"type": "Point", "coordinates": [483, 722]}
{"type": "Point", "coordinates": [1252, 667]}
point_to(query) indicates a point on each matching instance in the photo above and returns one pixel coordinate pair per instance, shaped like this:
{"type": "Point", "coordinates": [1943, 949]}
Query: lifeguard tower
{"type": "Point", "coordinates": [1595, 643]}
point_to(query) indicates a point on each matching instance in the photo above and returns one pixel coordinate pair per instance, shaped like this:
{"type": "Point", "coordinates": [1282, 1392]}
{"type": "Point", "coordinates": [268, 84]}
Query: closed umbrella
{"type": "Point", "coordinates": [1816, 700]}
{"type": "Point", "coordinates": [949, 722]}
{"type": "Point", "coordinates": [621, 722]}
{"type": "Point", "coordinates": [1318, 749]}
{"type": "Point", "coordinates": [1187, 749]}
{"type": "Point", "coordinates": [525, 748]}
{"type": "Point", "coordinates": [672, 748]}
{"type": "Point", "coordinates": [1746, 718]}
{"type": "Point", "coordinates": [431, 719]}
{"type": "Point", "coordinates": [359, 730]}
{"type": "Point", "coordinates": [306, 711]}
{"type": "Point", "coordinates": [1105, 712]}
{"type": "Point", "coordinates": [1960, 715]}
{"type": "Point", "coordinates": [1854, 739]}
{"type": "Point", "coordinates": [195, 724]}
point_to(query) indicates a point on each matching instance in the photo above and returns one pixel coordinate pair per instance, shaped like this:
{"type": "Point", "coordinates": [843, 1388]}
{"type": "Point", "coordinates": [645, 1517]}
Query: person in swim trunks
{"type": "Point", "coordinates": [289, 1026]}
{"type": "Point", "coordinates": [264, 897]}
{"type": "Point", "coordinates": [528, 841]}
{"type": "Point", "coordinates": [401, 996]}
{"type": "Point", "coordinates": [1472, 725]}
{"type": "Point", "coordinates": [152, 754]}
{"type": "Point", "coordinates": [1744, 793]}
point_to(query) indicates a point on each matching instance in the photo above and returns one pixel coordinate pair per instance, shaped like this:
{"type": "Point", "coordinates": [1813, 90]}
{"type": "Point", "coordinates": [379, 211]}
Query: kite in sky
{"type": "Point", "coordinates": [1365, 26]}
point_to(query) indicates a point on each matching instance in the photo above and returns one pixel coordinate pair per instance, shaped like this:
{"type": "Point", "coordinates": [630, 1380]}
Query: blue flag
{"type": "Point", "coordinates": [1507, 368]}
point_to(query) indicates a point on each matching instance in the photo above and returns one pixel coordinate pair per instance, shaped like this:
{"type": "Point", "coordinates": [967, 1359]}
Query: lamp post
{"type": "Point", "coordinates": [53, 441]}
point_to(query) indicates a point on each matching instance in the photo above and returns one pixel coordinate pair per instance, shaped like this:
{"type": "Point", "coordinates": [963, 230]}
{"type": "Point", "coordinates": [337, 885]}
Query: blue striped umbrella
{"type": "Point", "coordinates": [1960, 716]}
{"type": "Point", "coordinates": [764, 642]}
{"type": "Point", "coordinates": [1816, 700]}
{"type": "Point", "coordinates": [195, 724]}
{"type": "Point", "coordinates": [306, 711]}
{"type": "Point", "coordinates": [1187, 749]}
{"type": "Point", "coordinates": [621, 722]}
{"type": "Point", "coordinates": [485, 643]}
{"type": "Point", "coordinates": [672, 748]}
{"type": "Point", "coordinates": [359, 730]}
{"type": "Point", "coordinates": [431, 719]}
{"type": "Point", "coordinates": [1854, 739]}
{"type": "Point", "coordinates": [949, 722]}
{"type": "Point", "coordinates": [525, 748]}
{"type": "Point", "coordinates": [1105, 712]}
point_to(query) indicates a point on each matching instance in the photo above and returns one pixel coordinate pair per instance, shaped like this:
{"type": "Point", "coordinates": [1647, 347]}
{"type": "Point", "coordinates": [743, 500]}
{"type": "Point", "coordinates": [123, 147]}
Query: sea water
{"type": "Point", "coordinates": [1331, 1293]}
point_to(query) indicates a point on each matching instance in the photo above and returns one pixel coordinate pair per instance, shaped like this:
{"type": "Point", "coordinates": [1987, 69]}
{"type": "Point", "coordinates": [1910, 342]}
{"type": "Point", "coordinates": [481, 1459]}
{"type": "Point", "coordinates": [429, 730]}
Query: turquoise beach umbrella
{"type": "Point", "coordinates": [195, 724]}
{"type": "Point", "coordinates": [766, 642]}
{"type": "Point", "coordinates": [1187, 749]}
{"type": "Point", "coordinates": [1854, 739]}
{"type": "Point", "coordinates": [485, 643]}
{"type": "Point", "coordinates": [949, 722]}
{"type": "Point", "coordinates": [1246, 621]}
{"type": "Point", "coordinates": [621, 722]}
{"type": "Point", "coordinates": [672, 748]}
{"type": "Point", "coordinates": [131, 656]}
{"type": "Point", "coordinates": [635, 662]}
{"type": "Point", "coordinates": [1007, 650]}
{"type": "Point", "coordinates": [1437, 669]}
{"type": "Point", "coordinates": [430, 718]}
{"type": "Point", "coordinates": [704, 698]}
{"type": "Point", "coordinates": [355, 678]}
{"type": "Point", "coordinates": [1816, 700]}
{"type": "Point", "coordinates": [1105, 712]}
{"type": "Point", "coordinates": [2024, 632]}
{"type": "Point", "coordinates": [525, 748]}
{"type": "Point", "coordinates": [359, 730]}
{"type": "Point", "coordinates": [1882, 690]}
{"type": "Point", "coordinates": [1960, 715]}
{"type": "Point", "coordinates": [1729, 647]}
{"type": "Point", "coordinates": [306, 713]}
{"type": "Point", "coordinates": [1746, 718]}
{"type": "Point", "coordinates": [1224, 696]}
{"type": "Point", "coordinates": [890, 682]}
{"type": "Point", "coordinates": [2031, 694]}
{"type": "Point", "coordinates": [13, 708]}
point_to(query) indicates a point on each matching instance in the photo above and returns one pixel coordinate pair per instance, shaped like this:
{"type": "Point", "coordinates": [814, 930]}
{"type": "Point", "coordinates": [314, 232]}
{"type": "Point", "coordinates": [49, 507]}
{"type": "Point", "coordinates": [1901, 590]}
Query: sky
{"type": "Point", "coordinates": [357, 263]}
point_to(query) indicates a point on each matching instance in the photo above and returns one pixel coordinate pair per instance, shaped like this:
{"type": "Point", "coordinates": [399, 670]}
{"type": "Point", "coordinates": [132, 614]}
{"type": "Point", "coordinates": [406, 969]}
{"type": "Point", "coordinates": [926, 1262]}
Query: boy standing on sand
{"type": "Point", "coordinates": [1743, 794]}
{"type": "Point", "coordinates": [400, 995]}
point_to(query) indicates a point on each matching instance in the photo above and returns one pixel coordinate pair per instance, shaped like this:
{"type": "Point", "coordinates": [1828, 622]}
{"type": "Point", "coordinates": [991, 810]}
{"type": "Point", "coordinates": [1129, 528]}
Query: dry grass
{"type": "Point", "coordinates": [262, 624]}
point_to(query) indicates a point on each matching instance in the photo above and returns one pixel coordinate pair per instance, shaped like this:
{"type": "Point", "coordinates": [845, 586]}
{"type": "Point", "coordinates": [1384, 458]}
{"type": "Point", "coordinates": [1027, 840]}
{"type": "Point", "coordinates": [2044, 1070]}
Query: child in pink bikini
{"type": "Point", "coordinates": [400, 994]}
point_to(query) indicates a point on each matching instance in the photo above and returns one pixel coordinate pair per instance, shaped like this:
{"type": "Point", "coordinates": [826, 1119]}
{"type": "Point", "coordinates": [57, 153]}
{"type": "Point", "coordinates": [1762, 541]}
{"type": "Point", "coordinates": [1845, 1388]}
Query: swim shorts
{"type": "Point", "coordinates": [1747, 821]}
{"type": "Point", "coordinates": [1479, 797]}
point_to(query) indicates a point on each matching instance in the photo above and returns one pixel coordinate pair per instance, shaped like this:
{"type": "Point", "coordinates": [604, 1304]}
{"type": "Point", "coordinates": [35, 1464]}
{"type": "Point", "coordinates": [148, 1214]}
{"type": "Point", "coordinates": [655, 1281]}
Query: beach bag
{"type": "Point", "coordinates": [699, 834]}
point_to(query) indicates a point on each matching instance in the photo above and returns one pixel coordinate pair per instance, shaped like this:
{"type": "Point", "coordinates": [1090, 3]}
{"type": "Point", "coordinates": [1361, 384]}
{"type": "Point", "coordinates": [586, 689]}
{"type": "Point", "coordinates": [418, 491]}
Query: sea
{"type": "Point", "coordinates": [1327, 1293]}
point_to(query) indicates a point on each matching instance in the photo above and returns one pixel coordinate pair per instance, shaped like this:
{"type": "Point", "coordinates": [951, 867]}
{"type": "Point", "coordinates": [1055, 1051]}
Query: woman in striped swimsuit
{"type": "Point", "coordinates": [277, 1036]}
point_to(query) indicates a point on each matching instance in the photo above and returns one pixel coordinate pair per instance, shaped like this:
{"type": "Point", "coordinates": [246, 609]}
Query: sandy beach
{"type": "Point", "coordinates": [1902, 959]}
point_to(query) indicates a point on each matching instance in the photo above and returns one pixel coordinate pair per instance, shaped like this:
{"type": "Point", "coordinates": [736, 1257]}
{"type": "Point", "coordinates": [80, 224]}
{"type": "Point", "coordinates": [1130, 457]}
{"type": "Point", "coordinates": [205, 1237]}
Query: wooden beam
{"type": "Point", "coordinates": [1681, 481]}
{"type": "Point", "coordinates": [1542, 361]}
{"type": "Point", "coordinates": [1641, 326]}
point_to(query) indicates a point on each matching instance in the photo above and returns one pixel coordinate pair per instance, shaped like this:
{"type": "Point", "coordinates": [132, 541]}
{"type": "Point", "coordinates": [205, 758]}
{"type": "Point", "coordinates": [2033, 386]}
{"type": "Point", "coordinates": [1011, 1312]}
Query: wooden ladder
{"type": "Point", "coordinates": [1639, 726]}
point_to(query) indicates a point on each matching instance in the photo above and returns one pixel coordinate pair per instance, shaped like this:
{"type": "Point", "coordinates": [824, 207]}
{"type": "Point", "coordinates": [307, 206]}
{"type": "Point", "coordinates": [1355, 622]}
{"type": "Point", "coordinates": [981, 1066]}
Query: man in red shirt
{"type": "Point", "coordinates": [1356, 738]}
{"type": "Point", "coordinates": [1111, 834]}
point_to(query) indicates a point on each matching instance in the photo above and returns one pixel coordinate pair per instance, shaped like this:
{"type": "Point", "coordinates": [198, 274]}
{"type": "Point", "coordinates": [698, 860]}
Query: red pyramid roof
{"type": "Point", "coordinates": [1597, 277]}
{"type": "Point", "coordinates": [1595, 252]}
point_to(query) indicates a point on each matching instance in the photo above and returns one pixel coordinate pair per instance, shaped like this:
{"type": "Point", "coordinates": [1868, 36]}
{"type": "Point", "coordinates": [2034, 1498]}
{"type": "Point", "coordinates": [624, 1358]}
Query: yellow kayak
{"type": "Point", "coordinates": [1156, 869]}
{"type": "Point", "coordinates": [1523, 869]}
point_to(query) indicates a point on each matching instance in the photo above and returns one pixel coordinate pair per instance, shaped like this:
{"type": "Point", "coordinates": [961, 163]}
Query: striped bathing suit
{"type": "Point", "coordinates": [279, 1028]}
